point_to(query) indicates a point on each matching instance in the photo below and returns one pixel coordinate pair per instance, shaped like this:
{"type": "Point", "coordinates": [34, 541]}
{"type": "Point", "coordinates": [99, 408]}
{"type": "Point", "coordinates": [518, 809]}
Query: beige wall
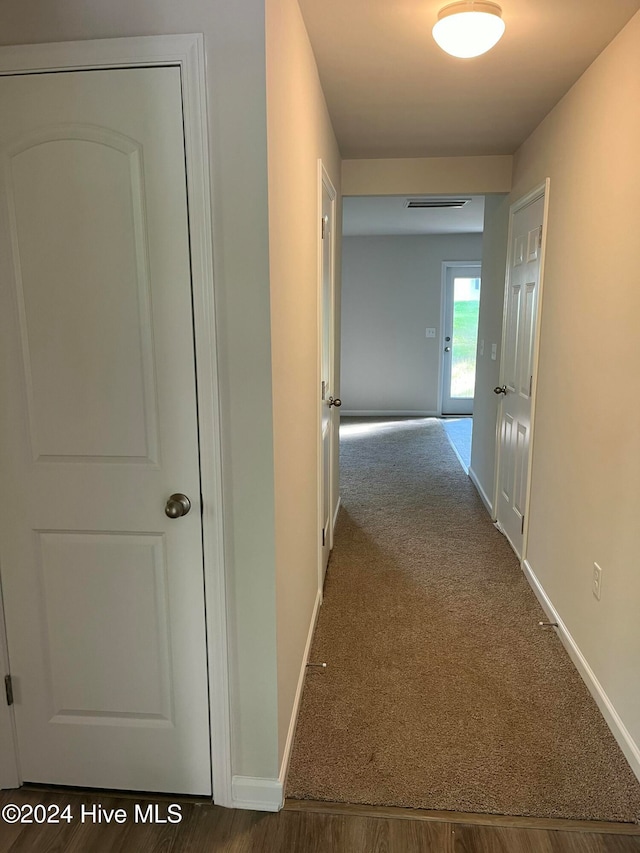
{"type": "Point", "coordinates": [299, 132]}
{"type": "Point", "coordinates": [485, 407]}
{"type": "Point", "coordinates": [234, 38]}
{"type": "Point", "coordinates": [391, 292]}
{"type": "Point", "coordinates": [423, 175]}
{"type": "Point", "coordinates": [585, 502]}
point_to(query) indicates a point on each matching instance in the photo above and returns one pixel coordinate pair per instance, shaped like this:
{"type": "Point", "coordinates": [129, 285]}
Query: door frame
{"type": "Point", "coordinates": [9, 770]}
{"type": "Point", "coordinates": [188, 52]}
{"type": "Point", "coordinates": [446, 266]}
{"type": "Point", "coordinates": [540, 191]}
{"type": "Point", "coordinates": [325, 183]}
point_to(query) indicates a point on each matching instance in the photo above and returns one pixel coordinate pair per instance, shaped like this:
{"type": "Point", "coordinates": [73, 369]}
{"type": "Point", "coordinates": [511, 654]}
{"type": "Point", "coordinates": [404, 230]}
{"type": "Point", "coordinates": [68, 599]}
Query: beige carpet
{"type": "Point", "coordinates": [441, 690]}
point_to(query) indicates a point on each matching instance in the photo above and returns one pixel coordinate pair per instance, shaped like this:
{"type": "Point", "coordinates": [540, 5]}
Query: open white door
{"type": "Point", "coordinates": [518, 365]}
{"type": "Point", "coordinates": [328, 403]}
{"type": "Point", "coordinates": [102, 572]}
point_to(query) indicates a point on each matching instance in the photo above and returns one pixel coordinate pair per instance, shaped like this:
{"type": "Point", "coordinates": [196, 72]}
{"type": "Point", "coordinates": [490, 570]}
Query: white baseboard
{"type": "Point", "coordinates": [335, 514]}
{"type": "Point", "coordinates": [627, 744]}
{"type": "Point", "coordinates": [378, 413]}
{"type": "Point", "coordinates": [485, 497]}
{"type": "Point", "coordinates": [267, 795]}
{"type": "Point", "coordinates": [260, 795]}
{"type": "Point", "coordinates": [284, 767]}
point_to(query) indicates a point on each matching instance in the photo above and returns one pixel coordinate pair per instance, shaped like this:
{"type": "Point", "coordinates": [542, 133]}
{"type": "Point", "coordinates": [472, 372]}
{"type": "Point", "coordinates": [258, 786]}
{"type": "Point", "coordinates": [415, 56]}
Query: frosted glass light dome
{"type": "Point", "coordinates": [469, 28]}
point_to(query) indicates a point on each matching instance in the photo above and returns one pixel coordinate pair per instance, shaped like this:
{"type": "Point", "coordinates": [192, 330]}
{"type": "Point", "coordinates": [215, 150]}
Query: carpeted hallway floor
{"type": "Point", "coordinates": [441, 690]}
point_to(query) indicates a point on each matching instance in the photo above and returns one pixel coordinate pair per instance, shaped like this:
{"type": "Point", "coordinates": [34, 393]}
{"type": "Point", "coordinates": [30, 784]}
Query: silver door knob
{"type": "Point", "coordinates": [337, 402]}
{"type": "Point", "coordinates": [447, 349]}
{"type": "Point", "coordinates": [177, 506]}
{"type": "Point", "coordinates": [500, 389]}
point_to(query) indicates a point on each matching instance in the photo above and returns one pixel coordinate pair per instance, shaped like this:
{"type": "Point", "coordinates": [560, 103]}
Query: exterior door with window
{"type": "Point", "coordinates": [461, 309]}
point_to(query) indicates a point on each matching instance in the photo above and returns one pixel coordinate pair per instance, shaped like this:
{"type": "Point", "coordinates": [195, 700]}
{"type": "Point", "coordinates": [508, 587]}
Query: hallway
{"type": "Point", "coordinates": [441, 690]}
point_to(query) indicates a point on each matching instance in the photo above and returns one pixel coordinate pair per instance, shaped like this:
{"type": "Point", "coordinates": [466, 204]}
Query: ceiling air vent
{"type": "Point", "coordinates": [435, 203]}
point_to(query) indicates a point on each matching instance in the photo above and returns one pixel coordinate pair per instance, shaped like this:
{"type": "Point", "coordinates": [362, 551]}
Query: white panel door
{"type": "Point", "coordinates": [517, 370]}
{"type": "Point", "coordinates": [327, 402]}
{"type": "Point", "coordinates": [103, 592]}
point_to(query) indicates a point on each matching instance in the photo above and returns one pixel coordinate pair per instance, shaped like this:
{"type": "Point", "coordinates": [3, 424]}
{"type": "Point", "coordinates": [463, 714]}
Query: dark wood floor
{"type": "Point", "coordinates": [208, 828]}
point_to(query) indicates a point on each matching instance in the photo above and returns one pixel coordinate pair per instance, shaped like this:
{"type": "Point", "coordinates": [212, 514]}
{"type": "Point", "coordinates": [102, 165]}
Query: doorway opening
{"type": "Point", "coordinates": [410, 273]}
{"type": "Point", "coordinates": [461, 291]}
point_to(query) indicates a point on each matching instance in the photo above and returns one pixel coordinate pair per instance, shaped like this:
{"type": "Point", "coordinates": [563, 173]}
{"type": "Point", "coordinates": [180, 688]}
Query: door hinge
{"type": "Point", "coordinates": [522, 526]}
{"type": "Point", "coordinates": [323, 536]}
{"type": "Point", "coordinates": [323, 226]}
{"type": "Point", "coordinates": [530, 385]}
{"type": "Point", "coordinates": [540, 238]}
{"type": "Point", "coordinates": [323, 389]}
{"type": "Point", "coordinates": [8, 686]}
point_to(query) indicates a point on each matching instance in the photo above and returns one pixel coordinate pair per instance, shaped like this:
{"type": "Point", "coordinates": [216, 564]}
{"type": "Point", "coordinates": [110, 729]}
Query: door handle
{"type": "Point", "coordinates": [337, 402]}
{"type": "Point", "coordinates": [447, 349]}
{"type": "Point", "coordinates": [177, 506]}
{"type": "Point", "coordinates": [500, 389]}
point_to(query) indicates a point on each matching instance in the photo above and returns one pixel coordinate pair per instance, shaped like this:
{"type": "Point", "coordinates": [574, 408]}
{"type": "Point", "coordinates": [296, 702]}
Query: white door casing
{"type": "Point", "coordinates": [186, 52]}
{"type": "Point", "coordinates": [450, 403]}
{"type": "Point", "coordinates": [326, 302]}
{"type": "Point", "coordinates": [518, 367]}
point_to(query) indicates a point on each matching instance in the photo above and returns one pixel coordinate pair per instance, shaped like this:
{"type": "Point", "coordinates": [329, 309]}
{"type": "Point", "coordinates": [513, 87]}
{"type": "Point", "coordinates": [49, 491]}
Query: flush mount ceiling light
{"type": "Point", "coordinates": [469, 27]}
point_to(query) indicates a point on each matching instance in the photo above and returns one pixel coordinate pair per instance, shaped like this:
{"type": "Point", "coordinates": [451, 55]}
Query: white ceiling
{"type": "Point", "coordinates": [392, 92]}
{"type": "Point", "coordinates": [382, 215]}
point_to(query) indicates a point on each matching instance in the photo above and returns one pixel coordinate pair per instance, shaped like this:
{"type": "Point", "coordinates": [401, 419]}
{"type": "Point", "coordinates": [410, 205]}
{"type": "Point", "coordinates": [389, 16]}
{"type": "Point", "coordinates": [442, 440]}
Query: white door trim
{"type": "Point", "coordinates": [446, 266]}
{"type": "Point", "coordinates": [324, 181]}
{"type": "Point", "coordinates": [542, 190]}
{"type": "Point", "coordinates": [188, 52]}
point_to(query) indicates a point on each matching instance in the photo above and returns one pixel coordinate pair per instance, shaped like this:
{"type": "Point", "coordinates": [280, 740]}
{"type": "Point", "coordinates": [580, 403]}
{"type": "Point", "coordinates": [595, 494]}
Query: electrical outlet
{"type": "Point", "coordinates": [596, 586]}
{"type": "Point", "coordinates": [481, 346]}
{"type": "Point", "coordinates": [430, 333]}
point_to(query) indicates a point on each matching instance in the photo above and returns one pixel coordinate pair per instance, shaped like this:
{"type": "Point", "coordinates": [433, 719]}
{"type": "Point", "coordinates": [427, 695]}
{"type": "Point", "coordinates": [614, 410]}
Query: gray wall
{"type": "Point", "coordinates": [235, 45]}
{"type": "Point", "coordinates": [293, 89]}
{"type": "Point", "coordinates": [485, 407]}
{"type": "Point", "coordinates": [585, 500]}
{"type": "Point", "coordinates": [391, 292]}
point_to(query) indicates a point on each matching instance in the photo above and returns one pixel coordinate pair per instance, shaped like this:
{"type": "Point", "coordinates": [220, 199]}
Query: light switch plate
{"type": "Point", "coordinates": [430, 333]}
{"type": "Point", "coordinates": [481, 348]}
{"type": "Point", "coordinates": [494, 352]}
{"type": "Point", "coordinates": [596, 585]}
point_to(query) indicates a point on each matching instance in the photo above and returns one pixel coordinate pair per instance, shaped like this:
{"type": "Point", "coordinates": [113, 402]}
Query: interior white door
{"type": "Point", "coordinates": [521, 309]}
{"type": "Point", "coordinates": [328, 404]}
{"type": "Point", "coordinates": [103, 592]}
{"type": "Point", "coordinates": [461, 309]}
